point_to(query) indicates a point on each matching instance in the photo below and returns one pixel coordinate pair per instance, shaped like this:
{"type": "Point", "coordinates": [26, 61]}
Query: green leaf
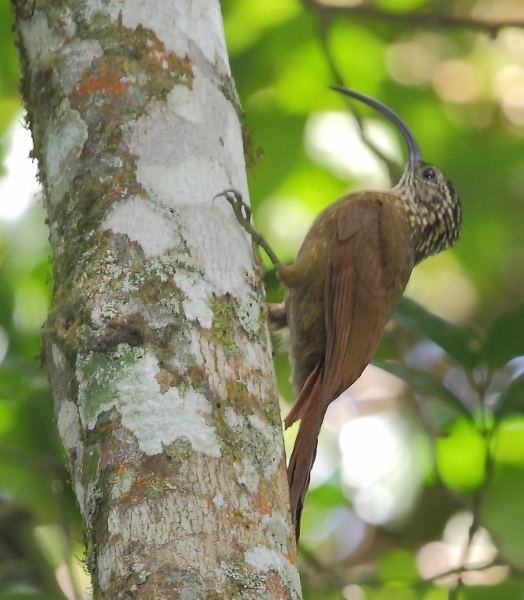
{"type": "Point", "coordinates": [348, 40]}
{"type": "Point", "coordinates": [393, 592]}
{"type": "Point", "coordinates": [508, 442]}
{"type": "Point", "coordinates": [508, 590]}
{"type": "Point", "coordinates": [398, 566]}
{"type": "Point", "coordinates": [9, 108]}
{"type": "Point", "coordinates": [460, 457]}
{"type": "Point", "coordinates": [246, 22]}
{"type": "Point", "coordinates": [425, 383]}
{"type": "Point", "coordinates": [9, 61]}
{"type": "Point", "coordinates": [436, 593]}
{"type": "Point", "coordinates": [505, 338]}
{"type": "Point", "coordinates": [460, 342]}
{"type": "Point", "coordinates": [327, 496]}
{"type": "Point", "coordinates": [501, 512]}
{"type": "Point", "coordinates": [400, 6]}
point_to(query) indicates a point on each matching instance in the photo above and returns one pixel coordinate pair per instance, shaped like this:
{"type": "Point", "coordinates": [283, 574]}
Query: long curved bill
{"type": "Point", "coordinates": [415, 155]}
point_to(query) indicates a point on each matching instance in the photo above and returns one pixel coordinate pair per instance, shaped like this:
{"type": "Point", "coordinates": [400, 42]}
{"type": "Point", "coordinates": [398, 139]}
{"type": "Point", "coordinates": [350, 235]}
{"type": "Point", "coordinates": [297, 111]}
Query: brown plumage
{"type": "Point", "coordinates": [348, 277]}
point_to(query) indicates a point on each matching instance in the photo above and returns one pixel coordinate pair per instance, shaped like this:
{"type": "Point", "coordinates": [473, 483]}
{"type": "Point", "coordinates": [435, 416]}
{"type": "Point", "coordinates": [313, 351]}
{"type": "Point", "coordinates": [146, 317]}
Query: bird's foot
{"type": "Point", "coordinates": [241, 209]}
{"type": "Point", "coordinates": [243, 214]}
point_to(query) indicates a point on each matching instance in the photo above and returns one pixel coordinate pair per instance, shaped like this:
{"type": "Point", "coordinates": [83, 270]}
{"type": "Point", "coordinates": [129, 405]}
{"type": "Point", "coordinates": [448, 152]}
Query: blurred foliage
{"type": "Point", "coordinates": [453, 500]}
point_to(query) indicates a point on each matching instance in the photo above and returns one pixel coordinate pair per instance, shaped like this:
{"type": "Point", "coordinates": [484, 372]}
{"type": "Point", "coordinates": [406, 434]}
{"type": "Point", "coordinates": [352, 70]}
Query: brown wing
{"type": "Point", "coordinates": [370, 263]}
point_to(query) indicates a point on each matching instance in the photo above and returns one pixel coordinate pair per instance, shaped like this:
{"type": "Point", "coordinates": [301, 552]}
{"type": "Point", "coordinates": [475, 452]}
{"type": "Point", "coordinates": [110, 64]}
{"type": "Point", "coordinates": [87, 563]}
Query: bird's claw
{"type": "Point", "coordinates": [243, 214]}
{"type": "Point", "coordinates": [241, 209]}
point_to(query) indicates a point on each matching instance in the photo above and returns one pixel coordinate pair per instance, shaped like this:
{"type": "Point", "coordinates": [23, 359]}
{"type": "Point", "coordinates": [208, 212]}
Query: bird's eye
{"type": "Point", "coordinates": [429, 173]}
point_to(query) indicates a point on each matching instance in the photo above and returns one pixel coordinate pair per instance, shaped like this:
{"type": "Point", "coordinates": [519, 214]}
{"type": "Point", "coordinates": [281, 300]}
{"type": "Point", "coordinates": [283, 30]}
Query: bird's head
{"type": "Point", "coordinates": [429, 198]}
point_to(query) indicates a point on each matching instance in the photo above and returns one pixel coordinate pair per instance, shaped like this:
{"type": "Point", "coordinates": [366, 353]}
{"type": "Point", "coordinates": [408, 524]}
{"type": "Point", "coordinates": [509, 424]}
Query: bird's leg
{"type": "Point", "coordinates": [243, 214]}
{"type": "Point", "coordinates": [276, 312]}
{"type": "Point", "coordinates": [277, 315]}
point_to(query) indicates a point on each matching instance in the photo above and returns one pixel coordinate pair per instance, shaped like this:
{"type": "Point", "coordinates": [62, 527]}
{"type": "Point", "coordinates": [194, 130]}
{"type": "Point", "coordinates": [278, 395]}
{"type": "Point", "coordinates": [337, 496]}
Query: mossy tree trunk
{"type": "Point", "coordinates": [156, 342]}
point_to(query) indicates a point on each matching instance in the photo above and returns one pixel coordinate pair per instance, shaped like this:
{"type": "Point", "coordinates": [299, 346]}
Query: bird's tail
{"type": "Point", "coordinates": [310, 410]}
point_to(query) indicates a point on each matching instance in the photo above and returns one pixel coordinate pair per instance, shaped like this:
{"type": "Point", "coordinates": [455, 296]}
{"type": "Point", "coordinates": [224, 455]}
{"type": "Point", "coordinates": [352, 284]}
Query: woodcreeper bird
{"type": "Point", "coordinates": [347, 278]}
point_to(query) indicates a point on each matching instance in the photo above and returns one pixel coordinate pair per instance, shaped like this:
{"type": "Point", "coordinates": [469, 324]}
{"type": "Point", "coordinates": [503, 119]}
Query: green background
{"type": "Point", "coordinates": [453, 439]}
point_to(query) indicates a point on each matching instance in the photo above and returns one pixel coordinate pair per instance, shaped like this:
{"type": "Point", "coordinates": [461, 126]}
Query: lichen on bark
{"type": "Point", "coordinates": [156, 343]}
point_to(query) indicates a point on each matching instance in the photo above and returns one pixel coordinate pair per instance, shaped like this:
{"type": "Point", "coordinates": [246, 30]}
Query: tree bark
{"type": "Point", "coordinates": [156, 342]}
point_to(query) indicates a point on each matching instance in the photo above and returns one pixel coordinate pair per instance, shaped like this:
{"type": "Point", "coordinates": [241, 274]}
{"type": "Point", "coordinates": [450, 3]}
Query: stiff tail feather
{"type": "Point", "coordinates": [308, 408]}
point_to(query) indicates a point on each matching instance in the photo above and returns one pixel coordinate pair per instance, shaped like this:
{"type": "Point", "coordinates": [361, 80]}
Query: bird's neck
{"type": "Point", "coordinates": [428, 229]}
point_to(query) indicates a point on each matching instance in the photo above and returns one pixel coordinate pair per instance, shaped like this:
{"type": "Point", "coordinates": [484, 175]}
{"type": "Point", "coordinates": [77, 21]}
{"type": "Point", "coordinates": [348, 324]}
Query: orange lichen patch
{"type": "Point", "coordinates": [261, 504]}
{"type": "Point", "coordinates": [105, 77]}
{"type": "Point", "coordinates": [120, 470]}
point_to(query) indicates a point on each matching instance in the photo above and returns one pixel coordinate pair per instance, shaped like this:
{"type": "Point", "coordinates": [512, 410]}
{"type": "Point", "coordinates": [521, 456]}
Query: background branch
{"type": "Point", "coordinates": [416, 18]}
{"type": "Point", "coordinates": [323, 22]}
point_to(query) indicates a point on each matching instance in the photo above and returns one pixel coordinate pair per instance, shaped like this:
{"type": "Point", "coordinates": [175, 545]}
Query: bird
{"type": "Point", "coordinates": [347, 278]}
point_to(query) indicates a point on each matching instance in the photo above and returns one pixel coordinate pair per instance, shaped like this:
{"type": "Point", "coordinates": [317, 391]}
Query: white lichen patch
{"type": "Point", "coordinates": [127, 384]}
{"type": "Point", "coordinates": [246, 578]}
{"type": "Point", "coordinates": [80, 494]}
{"type": "Point", "coordinates": [122, 482]}
{"type": "Point", "coordinates": [167, 417]}
{"type": "Point", "coordinates": [41, 42]}
{"type": "Point", "coordinates": [269, 447]}
{"type": "Point", "coordinates": [105, 308]}
{"type": "Point", "coordinates": [265, 559]}
{"type": "Point", "coordinates": [87, 475]}
{"type": "Point", "coordinates": [64, 141]}
{"type": "Point", "coordinates": [58, 357]}
{"type": "Point", "coordinates": [247, 474]}
{"type": "Point", "coordinates": [153, 228]}
{"type": "Point", "coordinates": [140, 572]}
{"type": "Point", "coordinates": [273, 447]}
{"type": "Point", "coordinates": [248, 313]}
{"type": "Point", "coordinates": [277, 530]}
{"type": "Point", "coordinates": [218, 500]}
{"type": "Point", "coordinates": [233, 419]}
{"type": "Point", "coordinates": [197, 292]}
{"type": "Point", "coordinates": [68, 422]}
{"type": "Point", "coordinates": [75, 58]}
{"type": "Point", "coordinates": [99, 8]}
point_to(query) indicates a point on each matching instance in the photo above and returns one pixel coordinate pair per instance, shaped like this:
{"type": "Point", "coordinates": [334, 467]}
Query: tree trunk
{"type": "Point", "coordinates": [156, 342]}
